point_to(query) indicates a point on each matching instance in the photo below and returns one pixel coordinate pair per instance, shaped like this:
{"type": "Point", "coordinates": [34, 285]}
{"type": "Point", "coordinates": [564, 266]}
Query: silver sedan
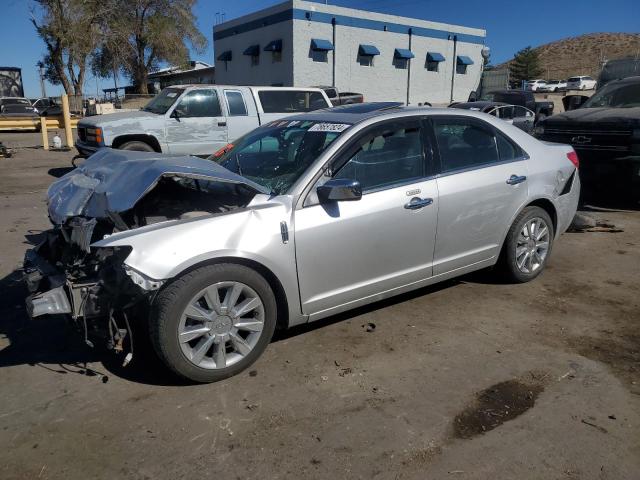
{"type": "Point", "coordinates": [298, 220]}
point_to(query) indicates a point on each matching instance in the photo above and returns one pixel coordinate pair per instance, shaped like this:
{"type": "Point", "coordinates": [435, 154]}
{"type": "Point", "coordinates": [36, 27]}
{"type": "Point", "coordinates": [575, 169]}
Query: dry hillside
{"type": "Point", "coordinates": [583, 55]}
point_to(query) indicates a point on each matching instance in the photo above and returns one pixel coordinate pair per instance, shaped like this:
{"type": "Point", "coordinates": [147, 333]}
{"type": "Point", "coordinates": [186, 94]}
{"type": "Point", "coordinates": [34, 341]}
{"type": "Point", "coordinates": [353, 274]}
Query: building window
{"type": "Point", "coordinates": [401, 63]}
{"type": "Point", "coordinates": [401, 57]}
{"type": "Point", "coordinates": [366, 60]}
{"type": "Point", "coordinates": [319, 51]}
{"type": "Point", "coordinates": [275, 47]}
{"type": "Point", "coordinates": [433, 61]}
{"type": "Point", "coordinates": [462, 62]}
{"type": "Point", "coordinates": [366, 53]}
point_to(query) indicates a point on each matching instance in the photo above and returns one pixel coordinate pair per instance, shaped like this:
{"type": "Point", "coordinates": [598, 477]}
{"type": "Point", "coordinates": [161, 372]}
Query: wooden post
{"type": "Point", "coordinates": [66, 118]}
{"type": "Point", "coordinates": [44, 132]}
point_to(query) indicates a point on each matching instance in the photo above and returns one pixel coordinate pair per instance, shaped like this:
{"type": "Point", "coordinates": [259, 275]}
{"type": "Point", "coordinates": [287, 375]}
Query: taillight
{"type": "Point", "coordinates": [573, 157]}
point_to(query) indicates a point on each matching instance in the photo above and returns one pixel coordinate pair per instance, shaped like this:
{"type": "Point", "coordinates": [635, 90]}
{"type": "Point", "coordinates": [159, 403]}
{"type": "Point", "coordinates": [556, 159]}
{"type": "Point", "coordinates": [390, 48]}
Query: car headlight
{"type": "Point", "coordinates": [95, 135]}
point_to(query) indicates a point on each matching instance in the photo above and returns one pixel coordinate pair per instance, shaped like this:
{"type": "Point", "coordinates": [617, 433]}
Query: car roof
{"type": "Point", "coordinates": [337, 115]}
{"type": "Point", "coordinates": [479, 104]}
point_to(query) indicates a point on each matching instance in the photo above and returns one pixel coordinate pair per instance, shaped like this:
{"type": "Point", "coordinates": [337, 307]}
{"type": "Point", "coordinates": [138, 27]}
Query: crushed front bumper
{"type": "Point", "coordinates": [50, 293]}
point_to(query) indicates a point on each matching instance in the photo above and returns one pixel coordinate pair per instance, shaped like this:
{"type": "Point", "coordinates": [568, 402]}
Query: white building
{"type": "Point", "coordinates": [385, 57]}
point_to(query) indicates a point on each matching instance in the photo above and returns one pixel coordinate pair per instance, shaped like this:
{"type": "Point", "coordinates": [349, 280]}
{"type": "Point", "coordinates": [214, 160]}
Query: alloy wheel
{"type": "Point", "coordinates": [221, 325]}
{"type": "Point", "coordinates": [532, 245]}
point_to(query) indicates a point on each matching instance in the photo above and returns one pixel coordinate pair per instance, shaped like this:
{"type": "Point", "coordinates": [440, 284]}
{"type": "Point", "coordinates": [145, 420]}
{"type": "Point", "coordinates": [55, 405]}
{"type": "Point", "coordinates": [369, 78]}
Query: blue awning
{"type": "Point", "coordinates": [274, 46]}
{"type": "Point", "coordinates": [321, 45]}
{"type": "Point", "coordinates": [464, 60]}
{"type": "Point", "coordinates": [225, 56]}
{"type": "Point", "coordinates": [253, 50]}
{"type": "Point", "coordinates": [368, 50]}
{"type": "Point", "coordinates": [403, 53]}
{"type": "Point", "coordinates": [435, 57]}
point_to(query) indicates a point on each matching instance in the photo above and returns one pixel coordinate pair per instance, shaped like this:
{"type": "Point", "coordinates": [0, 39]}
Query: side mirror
{"type": "Point", "coordinates": [571, 102]}
{"type": "Point", "coordinates": [339, 190]}
{"type": "Point", "coordinates": [177, 113]}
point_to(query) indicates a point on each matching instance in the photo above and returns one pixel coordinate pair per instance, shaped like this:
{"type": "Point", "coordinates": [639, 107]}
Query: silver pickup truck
{"type": "Point", "coordinates": [195, 119]}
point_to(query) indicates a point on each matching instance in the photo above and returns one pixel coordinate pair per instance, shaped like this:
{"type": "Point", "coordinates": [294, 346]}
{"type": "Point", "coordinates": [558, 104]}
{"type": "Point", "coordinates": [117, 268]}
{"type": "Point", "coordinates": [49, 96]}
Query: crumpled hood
{"type": "Point", "coordinates": [115, 180]}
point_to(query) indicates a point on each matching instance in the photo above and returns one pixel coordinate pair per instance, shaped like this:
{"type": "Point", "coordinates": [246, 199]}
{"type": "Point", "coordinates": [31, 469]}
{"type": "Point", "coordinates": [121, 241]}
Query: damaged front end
{"type": "Point", "coordinates": [115, 191]}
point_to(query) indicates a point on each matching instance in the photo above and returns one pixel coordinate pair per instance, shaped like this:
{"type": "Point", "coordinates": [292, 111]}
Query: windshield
{"type": "Point", "coordinates": [277, 154]}
{"type": "Point", "coordinates": [616, 96]}
{"type": "Point", "coordinates": [163, 101]}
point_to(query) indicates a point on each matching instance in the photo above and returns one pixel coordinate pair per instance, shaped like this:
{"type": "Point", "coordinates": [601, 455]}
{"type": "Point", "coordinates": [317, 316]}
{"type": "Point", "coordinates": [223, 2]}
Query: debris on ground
{"type": "Point", "coordinates": [495, 405]}
{"type": "Point", "coordinates": [369, 327]}
{"type": "Point", "coordinates": [597, 427]}
{"type": "Point", "coordinates": [5, 152]}
{"type": "Point", "coordinates": [585, 223]}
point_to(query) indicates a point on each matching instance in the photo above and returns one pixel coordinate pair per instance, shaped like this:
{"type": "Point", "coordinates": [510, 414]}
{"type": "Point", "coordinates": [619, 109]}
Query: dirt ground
{"type": "Point", "coordinates": [470, 379]}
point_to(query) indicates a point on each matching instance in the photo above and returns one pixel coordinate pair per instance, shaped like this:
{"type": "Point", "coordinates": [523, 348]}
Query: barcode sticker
{"type": "Point", "coordinates": [329, 127]}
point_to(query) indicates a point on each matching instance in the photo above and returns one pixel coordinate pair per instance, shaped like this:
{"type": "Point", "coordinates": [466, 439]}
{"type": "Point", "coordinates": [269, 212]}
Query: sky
{"type": "Point", "coordinates": [510, 25]}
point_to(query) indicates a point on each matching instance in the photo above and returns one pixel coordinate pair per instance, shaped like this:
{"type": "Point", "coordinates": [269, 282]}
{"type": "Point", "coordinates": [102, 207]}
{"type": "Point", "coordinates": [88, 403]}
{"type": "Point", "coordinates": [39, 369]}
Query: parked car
{"type": "Point", "coordinates": [525, 99]}
{"type": "Point", "coordinates": [604, 130]}
{"type": "Point", "coordinates": [46, 107]}
{"type": "Point", "coordinates": [519, 116]}
{"type": "Point", "coordinates": [195, 119]}
{"type": "Point", "coordinates": [554, 86]}
{"type": "Point", "coordinates": [581, 83]}
{"type": "Point", "coordinates": [535, 85]}
{"type": "Point", "coordinates": [16, 107]}
{"type": "Point", "coordinates": [299, 220]}
{"type": "Point", "coordinates": [341, 98]}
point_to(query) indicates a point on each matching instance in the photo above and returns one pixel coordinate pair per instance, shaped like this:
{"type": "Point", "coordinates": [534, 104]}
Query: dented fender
{"type": "Point", "coordinates": [253, 233]}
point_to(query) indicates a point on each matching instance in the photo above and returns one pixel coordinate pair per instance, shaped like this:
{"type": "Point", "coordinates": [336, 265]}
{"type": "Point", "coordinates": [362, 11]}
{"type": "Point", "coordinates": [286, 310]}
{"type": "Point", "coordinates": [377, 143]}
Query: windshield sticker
{"type": "Point", "coordinates": [172, 94]}
{"type": "Point", "coordinates": [329, 127]}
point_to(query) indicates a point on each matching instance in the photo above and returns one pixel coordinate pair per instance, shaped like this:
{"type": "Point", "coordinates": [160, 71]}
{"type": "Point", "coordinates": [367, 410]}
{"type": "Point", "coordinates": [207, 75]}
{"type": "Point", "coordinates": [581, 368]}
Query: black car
{"type": "Point", "coordinates": [542, 109]}
{"type": "Point", "coordinates": [605, 132]}
{"type": "Point", "coordinates": [16, 107]}
{"type": "Point", "coordinates": [517, 115]}
{"type": "Point", "coordinates": [46, 107]}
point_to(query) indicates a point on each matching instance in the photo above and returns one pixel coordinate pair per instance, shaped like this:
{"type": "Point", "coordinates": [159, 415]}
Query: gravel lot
{"type": "Point", "coordinates": [470, 379]}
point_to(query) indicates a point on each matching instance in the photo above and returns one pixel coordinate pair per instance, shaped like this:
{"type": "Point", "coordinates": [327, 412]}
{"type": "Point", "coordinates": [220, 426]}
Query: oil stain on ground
{"type": "Point", "coordinates": [495, 405]}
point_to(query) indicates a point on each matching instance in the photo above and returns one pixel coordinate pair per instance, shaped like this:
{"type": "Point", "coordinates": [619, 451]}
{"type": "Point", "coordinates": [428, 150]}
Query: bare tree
{"type": "Point", "coordinates": [69, 29]}
{"type": "Point", "coordinates": [140, 34]}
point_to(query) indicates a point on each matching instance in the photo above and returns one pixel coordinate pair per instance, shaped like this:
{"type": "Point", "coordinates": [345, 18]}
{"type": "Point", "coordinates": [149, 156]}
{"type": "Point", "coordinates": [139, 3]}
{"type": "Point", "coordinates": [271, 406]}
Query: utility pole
{"type": "Point", "coordinates": [43, 91]}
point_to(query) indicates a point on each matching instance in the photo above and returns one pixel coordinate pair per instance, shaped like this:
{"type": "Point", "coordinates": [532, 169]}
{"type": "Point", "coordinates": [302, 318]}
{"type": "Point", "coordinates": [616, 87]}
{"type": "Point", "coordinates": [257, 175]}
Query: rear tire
{"type": "Point", "coordinates": [168, 322]}
{"type": "Point", "coordinates": [524, 256]}
{"type": "Point", "coordinates": [136, 146]}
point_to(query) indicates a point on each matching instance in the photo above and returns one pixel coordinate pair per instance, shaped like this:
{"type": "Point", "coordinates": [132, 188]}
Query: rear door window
{"type": "Point", "coordinates": [465, 143]}
{"type": "Point", "coordinates": [290, 101]}
{"type": "Point", "coordinates": [235, 100]}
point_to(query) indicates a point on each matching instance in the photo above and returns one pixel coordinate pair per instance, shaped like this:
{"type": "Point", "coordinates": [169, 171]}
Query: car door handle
{"type": "Point", "coordinates": [222, 124]}
{"type": "Point", "coordinates": [516, 179]}
{"type": "Point", "coordinates": [417, 203]}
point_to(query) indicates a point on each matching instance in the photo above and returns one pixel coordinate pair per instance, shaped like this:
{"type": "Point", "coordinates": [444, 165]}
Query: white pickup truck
{"type": "Point", "coordinates": [195, 119]}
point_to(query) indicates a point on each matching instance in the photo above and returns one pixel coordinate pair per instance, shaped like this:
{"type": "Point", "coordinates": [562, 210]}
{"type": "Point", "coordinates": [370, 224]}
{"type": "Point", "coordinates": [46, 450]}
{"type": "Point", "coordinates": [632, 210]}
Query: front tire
{"type": "Point", "coordinates": [136, 146]}
{"type": "Point", "coordinates": [213, 322]}
{"type": "Point", "coordinates": [528, 245]}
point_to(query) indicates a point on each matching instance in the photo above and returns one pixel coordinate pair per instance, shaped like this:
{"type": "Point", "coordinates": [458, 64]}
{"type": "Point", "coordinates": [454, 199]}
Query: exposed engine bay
{"type": "Point", "coordinates": [92, 285]}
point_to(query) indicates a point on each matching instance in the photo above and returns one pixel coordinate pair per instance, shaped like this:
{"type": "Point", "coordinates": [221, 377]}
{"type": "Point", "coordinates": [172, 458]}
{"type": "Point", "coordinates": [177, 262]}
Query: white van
{"type": "Point", "coordinates": [195, 119]}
